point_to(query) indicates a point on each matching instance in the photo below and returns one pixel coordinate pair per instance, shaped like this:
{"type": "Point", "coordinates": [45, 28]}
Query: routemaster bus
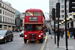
{"type": "Point", "coordinates": [34, 25]}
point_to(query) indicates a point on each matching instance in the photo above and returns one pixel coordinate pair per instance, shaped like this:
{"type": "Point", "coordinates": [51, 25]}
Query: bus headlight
{"type": "Point", "coordinates": [39, 35]}
{"type": "Point", "coordinates": [25, 35]}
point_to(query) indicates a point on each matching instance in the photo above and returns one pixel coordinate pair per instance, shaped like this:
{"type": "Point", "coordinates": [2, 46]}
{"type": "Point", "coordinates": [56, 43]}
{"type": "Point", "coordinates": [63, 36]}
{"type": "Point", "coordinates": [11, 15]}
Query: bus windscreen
{"type": "Point", "coordinates": [34, 27]}
{"type": "Point", "coordinates": [28, 27]}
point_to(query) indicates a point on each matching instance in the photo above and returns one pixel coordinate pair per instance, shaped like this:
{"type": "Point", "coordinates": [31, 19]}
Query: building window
{"type": "Point", "coordinates": [62, 1]}
{"type": "Point", "coordinates": [51, 3]}
{"type": "Point", "coordinates": [67, 1]}
{"type": "Point", "coordinates": [51, 7]}
{"type": "Point", "coordinates": [11, 15]}
{"type": "Point", "coordinates": [67, 11]}
{"type": "Point", "coordinates": [7, 7]}
{"type": "Point", "coordinates": [0, 11]}
{"type": "Point", "coordinates": [59, 1]}
{"type": "Point", "coordinates": [67, 15]}
{"type": "Point", "coordinates": [62, 16]}
{"type": "Point", "coordinates": [3, 18]}
{"type": "Point", "coordinates": [67, 6]}
{"type": "Point", "coordinates": [6, 13]}
{"type": "Point", "coordinates": [0, 18]}
{"type": "Point", "coordinates": [11, 20]}
{"type": "Point", "coordinates": [62, 6]}
{"type": "Point", "coordinates": [3, 12]}
{"type": "Point", "coordinates": [6, 19]}
{"type": "Point", "coordinates": [0, 4]}
{"type": "Point", "coordinates": [62, 11]}
{"type": "Point", "coordinates": [3, 5]}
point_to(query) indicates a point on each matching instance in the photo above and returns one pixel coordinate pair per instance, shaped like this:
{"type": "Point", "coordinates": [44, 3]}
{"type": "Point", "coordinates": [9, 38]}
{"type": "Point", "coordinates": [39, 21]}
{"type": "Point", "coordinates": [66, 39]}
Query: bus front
{"type": "Point", "coordinates": [33, 27]}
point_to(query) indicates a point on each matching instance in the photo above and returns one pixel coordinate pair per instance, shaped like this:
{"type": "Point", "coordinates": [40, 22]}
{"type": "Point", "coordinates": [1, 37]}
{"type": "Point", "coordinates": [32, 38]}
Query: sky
{"type": "Point", "coordinates": [22, 5]}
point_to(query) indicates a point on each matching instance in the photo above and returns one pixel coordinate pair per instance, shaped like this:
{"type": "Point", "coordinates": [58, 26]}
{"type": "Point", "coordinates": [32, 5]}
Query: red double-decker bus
{"type": "Point", "coordinates": [34, 25]}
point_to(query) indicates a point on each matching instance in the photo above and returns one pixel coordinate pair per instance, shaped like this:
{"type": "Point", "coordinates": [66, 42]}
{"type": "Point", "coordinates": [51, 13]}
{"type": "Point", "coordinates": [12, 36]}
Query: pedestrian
{"type": "Point", "coordinates": [49, 31]}
{"type": "Point", "coordinates": [61, 32]}
{"type": "Point", "coordinates": [71, 31]}
{"type": "Point", "coordinates": [74, 33]}
{"type": "Point", "coordinates": [58, 33]}
{"type": "Point", "coordinates": [12, 30]}
{"type": "Point", "coordinates": [52, 32]}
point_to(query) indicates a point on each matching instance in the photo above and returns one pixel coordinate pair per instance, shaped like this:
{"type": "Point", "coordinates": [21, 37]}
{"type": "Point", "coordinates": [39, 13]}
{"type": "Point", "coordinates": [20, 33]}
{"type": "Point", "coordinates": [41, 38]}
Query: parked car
{"type": "Point", "coordinates": [6, 35]}
{"type": "Point", "coordinates": [22, 33]}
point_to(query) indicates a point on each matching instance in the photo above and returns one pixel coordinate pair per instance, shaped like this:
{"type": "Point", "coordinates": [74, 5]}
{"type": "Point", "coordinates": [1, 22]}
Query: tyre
{"type": "Point", "coordinates": [11, 39]}
{"type": "Point", "coordinates": [25, 40]}
{"type": "Point", "coordinates": [20, 35]}
{"type": "Point", "coordinates": [5, 40]}
{"type": "Point", "coordinates": [41, 40]}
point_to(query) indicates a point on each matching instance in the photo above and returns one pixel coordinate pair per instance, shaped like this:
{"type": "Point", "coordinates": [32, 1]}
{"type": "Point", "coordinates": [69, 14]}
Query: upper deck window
{"type": "Point", "coordinates": [37, 13]}
{"type": "Point", "coordinates": [29, 13]}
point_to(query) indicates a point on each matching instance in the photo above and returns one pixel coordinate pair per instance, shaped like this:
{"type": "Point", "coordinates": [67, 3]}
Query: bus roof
{"type": "Point", "coordinates": [33, 10]}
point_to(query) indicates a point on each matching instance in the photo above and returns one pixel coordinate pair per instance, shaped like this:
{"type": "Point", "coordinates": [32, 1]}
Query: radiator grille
{"type": "Point", "coordinates": [32, 36]}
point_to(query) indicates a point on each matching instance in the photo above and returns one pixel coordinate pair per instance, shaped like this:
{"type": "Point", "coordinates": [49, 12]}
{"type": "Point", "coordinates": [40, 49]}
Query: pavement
{"type": "Point", "coordinates": [50, 45]}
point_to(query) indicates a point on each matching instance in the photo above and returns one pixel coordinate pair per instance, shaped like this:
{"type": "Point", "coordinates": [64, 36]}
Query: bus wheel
{"type": "Point", "coordinates": [41, 40]}
{"type": "Point", "coordinates": [25, 40]}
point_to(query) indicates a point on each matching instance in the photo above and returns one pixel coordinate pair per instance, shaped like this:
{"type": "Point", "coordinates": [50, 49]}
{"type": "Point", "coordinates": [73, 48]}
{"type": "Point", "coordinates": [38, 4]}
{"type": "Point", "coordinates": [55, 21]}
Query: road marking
{"type": "Point", "coordinates": [42, 48]}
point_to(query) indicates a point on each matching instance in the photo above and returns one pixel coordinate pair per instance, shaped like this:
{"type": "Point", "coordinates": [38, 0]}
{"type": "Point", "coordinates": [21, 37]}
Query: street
{"type": "Point", "coordinates": [18, 44]}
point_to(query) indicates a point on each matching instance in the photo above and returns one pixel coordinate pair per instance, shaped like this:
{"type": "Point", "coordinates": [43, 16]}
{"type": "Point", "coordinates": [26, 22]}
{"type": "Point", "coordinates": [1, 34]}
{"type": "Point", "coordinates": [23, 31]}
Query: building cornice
{"type": "Point", "coordinates": [7, 9]}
